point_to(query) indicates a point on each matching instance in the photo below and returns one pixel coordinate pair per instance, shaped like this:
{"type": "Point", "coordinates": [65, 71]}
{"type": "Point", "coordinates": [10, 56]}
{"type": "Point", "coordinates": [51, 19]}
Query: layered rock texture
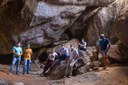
{"type": "Point", "coordinates": [44, 22]}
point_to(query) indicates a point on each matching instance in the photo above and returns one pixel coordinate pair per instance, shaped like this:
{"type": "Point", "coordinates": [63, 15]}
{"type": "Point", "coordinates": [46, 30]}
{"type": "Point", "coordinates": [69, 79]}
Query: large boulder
{"type": "Point", "coordinates": [59, 71]}
{"type": "Point", "coordinates": [74, 42]}
{"type": "Point", "coordinates": [96, 20]}
{"type": "Point", "coordinates": [121, 26]}
{"type": "Point", "coordinates": [38, 22]}
{"type": "Point", "coordinates": [103, 21]}
{"type": "Point", "coordinates": [3, 82]}
{"type": "Point", "coordinates": [118, 53]}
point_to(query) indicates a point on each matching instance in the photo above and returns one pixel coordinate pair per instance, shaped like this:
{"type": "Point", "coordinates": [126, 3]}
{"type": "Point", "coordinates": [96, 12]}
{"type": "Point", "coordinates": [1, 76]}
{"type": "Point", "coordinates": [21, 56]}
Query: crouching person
{"type": "Point", "coordinates": [63, 53]}
{"type": "Point", "coordinates": [50, 61]}
{"type": "Point", "coordinates": [73, 56]}
{"type": "Point", "coordinates": [27, 60]}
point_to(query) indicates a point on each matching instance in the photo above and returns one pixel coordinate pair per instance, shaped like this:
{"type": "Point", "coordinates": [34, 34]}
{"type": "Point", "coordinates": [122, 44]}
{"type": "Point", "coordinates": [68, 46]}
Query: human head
{"type": "Point", "coordinates": [102, 36]}
{"type": "Point", "coordinates": [53, 50]}
{"type": "Point", "coordinates": [28, 46]}
{"type": "Point", "coordinates": [82, 39]}
{"type": "Point", "coordinates": [18, 44]}
{"type": "Point", "coordinates": [71, 46]}
{"type": "Point", "coordinates": [62, 46]}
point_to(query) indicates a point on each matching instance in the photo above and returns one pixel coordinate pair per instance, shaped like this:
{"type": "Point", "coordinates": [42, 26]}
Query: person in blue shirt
{"type": "Point", "coordinates": [104, 45]}
{"type": "Point", "coordinates": [17, 52]}
{"type": "Point", "coordinates": [63, 53]}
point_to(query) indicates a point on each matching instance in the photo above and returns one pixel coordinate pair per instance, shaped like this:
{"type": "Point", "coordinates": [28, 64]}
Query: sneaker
{"type": "Point", "coordinates": [23, 73]}
{"type": "Point", "coordinates": [28, 73]}
{"type": "Point", "coordinates": [18, 74]}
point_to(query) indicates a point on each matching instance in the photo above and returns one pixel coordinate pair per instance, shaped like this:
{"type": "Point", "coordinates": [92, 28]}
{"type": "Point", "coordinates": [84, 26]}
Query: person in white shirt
{"type": "Point", "coordinates": [82, 45]}
{"type": "Point", "coordinates": [50, 61]}
{"type": "Point", "coordinates": [72, 60]}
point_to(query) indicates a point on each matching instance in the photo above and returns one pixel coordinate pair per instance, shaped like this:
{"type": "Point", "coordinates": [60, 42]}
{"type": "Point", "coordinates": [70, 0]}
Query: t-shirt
{"type": "Point", "coordinates": [64, 51]}
{"type": "Point", "coordinates": [73, 53]}
{"type": "Point", "coordinates": [97, 43]}
{"type": "Point", "coordinates": [52, 56]}
{"type": "Point", "coordinates": [28, 53]}
{"type": "Point", "coordinates": [104, 44]}
{"type": "Point", "coordinates": [83, 44]}
{"type": "Point", "coordinates": [17, 50]}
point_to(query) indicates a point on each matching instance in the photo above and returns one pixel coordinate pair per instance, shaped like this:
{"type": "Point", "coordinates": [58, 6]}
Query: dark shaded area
{"type": "Point", "coordinates": [80, 26]}
{"type": "Point", "coordinates": [43, 57]}
{"type": "Point", "coordinates": [6, 59]}
{"type": "Point", "coordinates": [68, 32]}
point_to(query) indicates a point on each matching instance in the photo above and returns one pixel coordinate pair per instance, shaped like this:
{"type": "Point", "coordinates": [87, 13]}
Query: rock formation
{"type": "Point", "coordinates": [43, 22]}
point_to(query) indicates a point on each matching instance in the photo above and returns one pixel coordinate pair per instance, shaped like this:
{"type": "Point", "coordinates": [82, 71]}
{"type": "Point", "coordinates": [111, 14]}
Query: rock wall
{"type": "Point", "coordinates": [43, 22]}
{"type": "Point", "coordinates": [96, 20]}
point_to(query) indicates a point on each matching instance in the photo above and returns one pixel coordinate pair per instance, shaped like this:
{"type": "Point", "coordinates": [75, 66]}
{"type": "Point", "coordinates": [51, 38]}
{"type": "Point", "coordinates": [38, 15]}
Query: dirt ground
{"type": "Point", "coordinates": [116, 75]}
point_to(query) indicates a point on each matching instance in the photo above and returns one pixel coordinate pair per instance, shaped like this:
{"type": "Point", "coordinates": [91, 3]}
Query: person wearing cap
{"type": "Point", "coordinates": [104, 45]}
{"type": "Point", "coordinates": [73, 56]}
{"type": "Point", "coordinates": [82, 45]}
{"type": "Point", "coordinates": [50, 61]}
{"type": "Point", "coordinates": [17, 52]}
{"type": "Point", "coordinates": [27, 59]}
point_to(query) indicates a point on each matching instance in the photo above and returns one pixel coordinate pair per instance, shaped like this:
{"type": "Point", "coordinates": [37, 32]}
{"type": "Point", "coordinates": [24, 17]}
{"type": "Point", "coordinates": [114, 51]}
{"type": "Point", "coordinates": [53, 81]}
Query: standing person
{"type": "Point", "coordinates": [104, 45]}
{"type": "Point", "coordinates": [27, 59]}
{"type": "Point", "coordinates": [50, 61]}
{"type": "Point", "coordinates": [17, 52]}
{"type": "Point", "coordinates": [97, 46]}
{"type": "Point", "coordinates": [63, 53]}
{"type": "Point", "coordinates": [82, 45]}
{"type": "Point", "coordinates": [72, 60]}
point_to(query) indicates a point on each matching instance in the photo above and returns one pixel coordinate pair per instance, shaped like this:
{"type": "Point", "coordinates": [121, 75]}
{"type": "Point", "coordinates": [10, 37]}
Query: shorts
{"type": "Point", "coordinates": [102, 54]}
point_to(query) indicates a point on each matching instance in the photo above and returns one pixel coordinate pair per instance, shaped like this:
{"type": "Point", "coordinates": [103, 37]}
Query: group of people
{"type": "Point", "coordinates": [64, 54]}
{"type": "Point", "coordinates": [17, 53]}
{"type": "Point", "coordinates": [71, 55]}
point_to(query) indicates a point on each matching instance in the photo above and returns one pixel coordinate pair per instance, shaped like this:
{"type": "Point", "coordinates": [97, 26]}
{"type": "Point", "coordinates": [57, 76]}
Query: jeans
{"type": "Point", "coordinates": [26, 67]}
{"type": "Point", "coordinates": [16, 60]}
{"type": "Point", "coordinates": [82, 48]}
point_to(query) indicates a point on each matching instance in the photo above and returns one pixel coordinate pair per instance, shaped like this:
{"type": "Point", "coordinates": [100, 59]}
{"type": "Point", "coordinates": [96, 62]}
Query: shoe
{"type": "Point", "coordinates": [23, 73]}
{"type": "Point", "coordinates": [28, 73]}
{"type": "Point", "coordinates": [18, 74]}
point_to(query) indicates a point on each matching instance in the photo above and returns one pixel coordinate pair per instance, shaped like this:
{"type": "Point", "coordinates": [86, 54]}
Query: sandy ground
{"type": "Point", "coordinates": [117, 75]}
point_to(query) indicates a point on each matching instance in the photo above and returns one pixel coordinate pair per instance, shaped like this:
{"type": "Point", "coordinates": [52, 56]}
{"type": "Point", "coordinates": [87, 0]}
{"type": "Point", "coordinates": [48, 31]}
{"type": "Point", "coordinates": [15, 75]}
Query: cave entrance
{"type": "Point", "coordinates": [6, 59]}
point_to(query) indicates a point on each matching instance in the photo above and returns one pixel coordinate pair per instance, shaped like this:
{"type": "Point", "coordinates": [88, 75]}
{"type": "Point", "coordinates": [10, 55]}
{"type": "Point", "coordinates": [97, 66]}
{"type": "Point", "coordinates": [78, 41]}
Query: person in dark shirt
{"type": "Point", "coordinates": [104, 45]}
{"type": "Point", "coordinates": [82, 45]}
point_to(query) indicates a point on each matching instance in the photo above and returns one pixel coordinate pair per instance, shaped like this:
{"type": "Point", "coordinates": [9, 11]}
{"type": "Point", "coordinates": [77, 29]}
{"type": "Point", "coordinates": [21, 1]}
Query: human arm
{"type": "Point", "coordinates": [76, 54]}
{"type": "Point", "coordinates": [109, 45]}
{"type": "Point", "coordinates": [14, 51]}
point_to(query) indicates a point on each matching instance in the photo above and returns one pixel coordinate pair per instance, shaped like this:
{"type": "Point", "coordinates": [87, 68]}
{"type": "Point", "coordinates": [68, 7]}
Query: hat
{"type": "Point", "coordinates": [102, 35]}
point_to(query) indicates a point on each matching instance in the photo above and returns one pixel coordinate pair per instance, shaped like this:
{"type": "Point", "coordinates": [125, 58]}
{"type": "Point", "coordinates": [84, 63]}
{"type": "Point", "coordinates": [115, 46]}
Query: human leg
{"type": "Point", "coordinates": [17, 65]}
{"type": "Point", "coordinates": [25, 67]}
{"type": "Point", "coordinates": [47, 65]}
{"type": "Point", "coordinates": [28, 66]}
{"type": "Point", "coordinates": [13, 63]}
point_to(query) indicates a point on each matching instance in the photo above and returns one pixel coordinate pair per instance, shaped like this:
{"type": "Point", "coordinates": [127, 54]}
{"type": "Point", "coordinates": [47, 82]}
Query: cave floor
{"type": "Point", "coordinates": [115, 75]}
